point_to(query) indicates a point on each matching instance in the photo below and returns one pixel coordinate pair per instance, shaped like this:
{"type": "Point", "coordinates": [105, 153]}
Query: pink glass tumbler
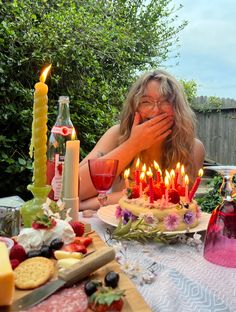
{"type": "Point", "coordinates": [220, 239]}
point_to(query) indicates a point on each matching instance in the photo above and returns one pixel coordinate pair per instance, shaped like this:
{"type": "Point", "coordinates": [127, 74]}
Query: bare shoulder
{"type": "Point", "coordinates": [198, 153]}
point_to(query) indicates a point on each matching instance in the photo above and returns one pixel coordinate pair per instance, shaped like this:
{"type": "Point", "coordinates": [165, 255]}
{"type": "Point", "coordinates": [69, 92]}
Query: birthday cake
{"type": "Point", "coordinates": [168, 210]}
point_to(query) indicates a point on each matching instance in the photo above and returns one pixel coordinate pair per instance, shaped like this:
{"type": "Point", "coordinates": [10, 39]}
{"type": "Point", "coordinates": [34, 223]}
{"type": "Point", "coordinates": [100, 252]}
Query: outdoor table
{"type": "Point", "coordinates": [184, 281]}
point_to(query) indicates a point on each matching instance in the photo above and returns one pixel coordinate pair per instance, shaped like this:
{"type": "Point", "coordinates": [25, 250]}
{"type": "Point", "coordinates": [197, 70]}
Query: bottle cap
{"type": "Point", "coordinates": [64, 99]}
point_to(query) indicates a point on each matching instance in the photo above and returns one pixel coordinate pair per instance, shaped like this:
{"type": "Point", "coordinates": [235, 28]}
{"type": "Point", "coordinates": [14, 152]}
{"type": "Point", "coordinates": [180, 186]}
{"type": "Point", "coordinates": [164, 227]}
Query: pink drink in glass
{"type": "Point", "coordinates": [102, 182]}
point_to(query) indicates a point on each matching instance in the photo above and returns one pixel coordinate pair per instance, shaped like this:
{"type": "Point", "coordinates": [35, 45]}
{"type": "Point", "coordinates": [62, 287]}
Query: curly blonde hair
{"type": "Point", "coordinates": [178, 145]}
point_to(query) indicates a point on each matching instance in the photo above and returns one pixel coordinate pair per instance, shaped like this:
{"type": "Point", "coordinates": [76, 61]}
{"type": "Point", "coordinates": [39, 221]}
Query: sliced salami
{"type": "Point", "coordinates": [71, 299]}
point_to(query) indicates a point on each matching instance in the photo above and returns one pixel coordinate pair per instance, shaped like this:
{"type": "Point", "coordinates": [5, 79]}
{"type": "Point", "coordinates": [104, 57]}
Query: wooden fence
{"type": "Point", "coordinates": [217, 130]}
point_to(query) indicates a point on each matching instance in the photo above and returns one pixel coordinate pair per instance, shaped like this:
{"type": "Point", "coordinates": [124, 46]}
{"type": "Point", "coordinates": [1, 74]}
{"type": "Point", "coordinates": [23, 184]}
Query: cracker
{"type": "Point", "coordinates": [33, 272]}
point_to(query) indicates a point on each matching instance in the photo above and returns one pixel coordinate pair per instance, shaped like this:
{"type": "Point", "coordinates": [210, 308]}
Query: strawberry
{"type": "Point", "coordinates": [75, 248]}
{"type": "Point", "coordinates": [133, 192]}
{"type": "Point", "coordinates": [18, 252]}
{"type": "Point", "coordinates": [43, 222]}
{"type": "Point", "coordinates": [14, 263]}
{"type": "Point", "coordinates": [173, 196]}
{"type": "Point", "coordinates": [78, 227]}
{"type": "Point", "coordinates": [106, 299]}
{"type": "Point", "coordinates": [85, 240]}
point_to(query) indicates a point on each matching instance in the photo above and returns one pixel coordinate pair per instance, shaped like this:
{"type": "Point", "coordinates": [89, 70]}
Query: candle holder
{"type": "Point", "coordinates": [34, 207]}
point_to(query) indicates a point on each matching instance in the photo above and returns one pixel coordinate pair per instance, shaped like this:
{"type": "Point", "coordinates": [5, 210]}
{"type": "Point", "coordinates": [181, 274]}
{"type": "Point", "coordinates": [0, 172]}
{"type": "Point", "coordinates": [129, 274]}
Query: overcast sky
{"type": "Point", "coordinates": [208, 46]}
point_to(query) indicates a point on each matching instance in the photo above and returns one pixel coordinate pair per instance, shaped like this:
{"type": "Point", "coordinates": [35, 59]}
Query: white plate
{"type": "Point", "coordinates": [107, 215]}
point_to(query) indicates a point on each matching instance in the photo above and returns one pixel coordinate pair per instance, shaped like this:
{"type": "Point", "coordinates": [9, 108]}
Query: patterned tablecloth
{"type": "Point", "coordinates": [176, 277]}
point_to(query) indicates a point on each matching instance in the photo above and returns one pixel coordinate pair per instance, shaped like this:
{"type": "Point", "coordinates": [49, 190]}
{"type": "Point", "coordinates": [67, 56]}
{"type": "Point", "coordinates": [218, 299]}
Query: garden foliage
{"type": "Point", "coordinates": [96, 49]}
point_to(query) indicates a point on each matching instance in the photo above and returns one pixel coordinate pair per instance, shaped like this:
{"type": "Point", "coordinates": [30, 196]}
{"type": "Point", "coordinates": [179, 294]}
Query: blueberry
{"type": "Point", "coordinates": [56, 244]}
{"type": "Point", "coordinates": [46, 251]}
{"type": "Point", "coordinates": [112, 279]}
{"type": "Point", "coordinates": [91, 286]}
{"type": "Point", "coordinates": [34, 253]}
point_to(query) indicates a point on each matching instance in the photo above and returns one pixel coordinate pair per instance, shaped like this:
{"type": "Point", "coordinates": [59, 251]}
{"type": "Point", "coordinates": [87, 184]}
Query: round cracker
{"type": "Point", "coordinates": [33, 272]}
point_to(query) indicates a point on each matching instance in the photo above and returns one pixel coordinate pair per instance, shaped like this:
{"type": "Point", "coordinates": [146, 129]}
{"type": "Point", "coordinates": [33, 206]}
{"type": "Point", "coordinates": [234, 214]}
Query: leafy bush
{"type": "Point", "coordinates": [96, 49]}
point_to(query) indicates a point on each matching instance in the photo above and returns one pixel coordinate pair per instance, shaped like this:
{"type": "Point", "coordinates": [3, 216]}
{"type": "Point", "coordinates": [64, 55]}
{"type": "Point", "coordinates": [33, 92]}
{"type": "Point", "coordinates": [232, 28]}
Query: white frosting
{"type": "Point", "coordinates": [32, 239]}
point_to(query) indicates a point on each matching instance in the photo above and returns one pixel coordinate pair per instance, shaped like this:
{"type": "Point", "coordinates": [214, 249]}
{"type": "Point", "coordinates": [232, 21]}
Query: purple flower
{"type": "Point", "coordinates": [189, 217]}
{"type": "Point", "coordinates": [171, 222]}
{"type": "Point", "coordinates": [118, 212]}
{"type": "Point", "coordinates": [128, 215]}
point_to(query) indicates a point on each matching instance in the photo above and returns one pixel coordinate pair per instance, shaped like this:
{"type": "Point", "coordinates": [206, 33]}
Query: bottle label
{"type": "Point", "coordinates": [57, 179]}
{"type": "Point", "coordinates": [63, 130]}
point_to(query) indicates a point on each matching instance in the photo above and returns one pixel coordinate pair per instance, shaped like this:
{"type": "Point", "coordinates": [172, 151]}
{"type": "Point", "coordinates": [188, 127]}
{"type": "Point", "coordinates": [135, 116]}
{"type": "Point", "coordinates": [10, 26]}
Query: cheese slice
{"type": "Point", "coordinates": [7, 287]}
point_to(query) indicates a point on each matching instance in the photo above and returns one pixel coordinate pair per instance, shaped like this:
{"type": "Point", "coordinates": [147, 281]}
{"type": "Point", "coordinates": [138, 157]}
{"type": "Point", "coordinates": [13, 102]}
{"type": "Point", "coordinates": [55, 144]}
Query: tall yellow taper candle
{"type": "Point", "coordinates": [39, 130]}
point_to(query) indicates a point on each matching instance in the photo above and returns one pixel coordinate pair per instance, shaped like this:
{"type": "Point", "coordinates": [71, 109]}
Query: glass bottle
{"type": "Point", "coordinates": [60, 133]}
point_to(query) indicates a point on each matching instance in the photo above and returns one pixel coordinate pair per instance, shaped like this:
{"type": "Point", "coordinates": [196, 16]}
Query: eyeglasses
{"type": "Point", "coordinates": [149, 105]}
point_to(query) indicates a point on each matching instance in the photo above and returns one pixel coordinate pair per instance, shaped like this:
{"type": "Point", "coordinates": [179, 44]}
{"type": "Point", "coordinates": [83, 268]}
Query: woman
{"type": "Point", "coordinates": [156, 123]}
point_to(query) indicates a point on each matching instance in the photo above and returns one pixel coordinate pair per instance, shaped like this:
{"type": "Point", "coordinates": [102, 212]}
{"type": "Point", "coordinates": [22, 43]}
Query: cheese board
{"type": "Point", "coordinates": [133, 301]}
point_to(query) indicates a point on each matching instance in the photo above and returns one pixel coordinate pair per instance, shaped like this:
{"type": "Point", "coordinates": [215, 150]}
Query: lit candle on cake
{"type": "Point", "coordinates": [150, 181]}
{"type": "Point", "coordinates": [39, 130]}
{"type": "Point", "coordinates": [177, 169]}
{"type": "Point", "coordinates": [158, 172]}
{"type": "Point", "coordinates": [142, 177]}
{"type": "Point", "coordinates": [172, 178]}
{"type": "Point", "coordinates": [71, 176]}
{"type": "Point", "coordinates": [181, 176]}
{"type": "Point", "coordinates": [195, 185]}
{"type": "Point", "coordinates": [126, 177]}
{"type": "Point", "coordinates": [167, 188]}
{"type": "Point", "coordinates": [186, 182]}
{"type": "Point", "coordinates": [144, 169]}
{"type": "Point", "coordinates": [136, 173]}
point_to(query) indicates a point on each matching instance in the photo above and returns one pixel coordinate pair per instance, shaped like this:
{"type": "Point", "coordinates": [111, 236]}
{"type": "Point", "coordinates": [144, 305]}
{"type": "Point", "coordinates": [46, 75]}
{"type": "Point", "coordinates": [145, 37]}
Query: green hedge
{"type": "Point", "coordinates": [96, 49]}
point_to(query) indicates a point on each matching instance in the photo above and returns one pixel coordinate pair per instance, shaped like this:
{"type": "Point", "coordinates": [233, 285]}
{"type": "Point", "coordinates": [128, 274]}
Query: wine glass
{"type": "Point", "coordinates": [102, 173]}
{"type": "Point", "coordinates": [220, 239]}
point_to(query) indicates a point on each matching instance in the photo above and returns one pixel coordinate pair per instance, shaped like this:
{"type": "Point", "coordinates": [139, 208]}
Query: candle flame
{"type": "Point", "coordinates": [166, 181]}
{"type": "Point", "coordinates": [137, 163]}
{"type": "Point", "coordinates": [157, 167]}
{"type": "Point", "coordinates": [73, 135]}
{"type": "Point", "coordinates": [178, 166]}
{"type": "Point", "coordinates": [144, 168]}
{"type": "Point", "coordinates": [172, 173]}
{"type": "Point", "coordinates": [200, 172]}
{"type": "Point", "coordinates": [167, 174]}
{"type": "Point", "coordinates": [186, 179]}
{"type": "Point", "coordinates": [182, 170]}
{"type": "Point", "coordinates": [142, 175]}
{"type": "Point", "coordinates": [126, 173]}
{"type": "Point", "coordinates": [149, 172]}
{"type": "Point", "coordinates": [44, 74]}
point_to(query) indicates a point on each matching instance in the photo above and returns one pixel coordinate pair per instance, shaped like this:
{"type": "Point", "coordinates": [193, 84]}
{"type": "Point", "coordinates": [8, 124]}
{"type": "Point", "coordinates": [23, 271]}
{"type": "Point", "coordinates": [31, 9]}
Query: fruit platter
{"type": "Point", "coordinates": [49, 250]}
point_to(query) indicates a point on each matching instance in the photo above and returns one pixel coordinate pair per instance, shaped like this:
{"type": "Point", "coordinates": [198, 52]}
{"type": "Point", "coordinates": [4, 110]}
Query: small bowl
{"type": "Point", "coordinates": [8, 241]}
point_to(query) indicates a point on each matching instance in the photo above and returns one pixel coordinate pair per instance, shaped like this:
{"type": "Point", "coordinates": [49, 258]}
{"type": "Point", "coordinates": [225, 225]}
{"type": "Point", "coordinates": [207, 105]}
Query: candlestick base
{"type": "Point", "coordinates": [34, 207]}
{"type": "Point", "coordinates": [72, 203]}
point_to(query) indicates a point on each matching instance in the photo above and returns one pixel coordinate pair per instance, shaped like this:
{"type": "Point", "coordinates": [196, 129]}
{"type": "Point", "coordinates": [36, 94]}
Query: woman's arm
{"type": "Point", "coordinates": [142, 137]}
{"type": "Point", "coordinates": [93, 203]}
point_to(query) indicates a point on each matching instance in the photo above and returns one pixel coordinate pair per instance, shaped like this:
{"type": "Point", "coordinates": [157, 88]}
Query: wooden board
{"type": "Point", "coordinates": [133, 301]}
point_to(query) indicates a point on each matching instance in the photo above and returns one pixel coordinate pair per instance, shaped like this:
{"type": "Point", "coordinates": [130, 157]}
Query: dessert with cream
{"type": "Point", "coordinates": [33, 239]}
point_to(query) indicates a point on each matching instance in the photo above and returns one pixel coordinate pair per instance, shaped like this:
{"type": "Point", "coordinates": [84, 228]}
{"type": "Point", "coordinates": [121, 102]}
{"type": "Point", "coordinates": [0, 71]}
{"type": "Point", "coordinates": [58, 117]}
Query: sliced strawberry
{"type": "Point", "coordinates": [75, 248]}
{"type": "Point", "coordinates": [78, 227]}
{"type": "Point", "coordinates": [84, 240]}
{"type": "Point", "coordinates": [115, 306]}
